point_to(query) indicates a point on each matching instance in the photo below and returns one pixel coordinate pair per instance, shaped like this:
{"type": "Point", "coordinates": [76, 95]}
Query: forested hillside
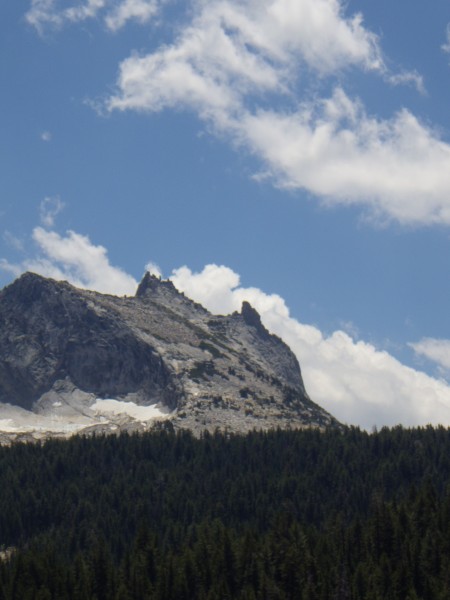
{"type": "Point", "coordinates": [276, 515]}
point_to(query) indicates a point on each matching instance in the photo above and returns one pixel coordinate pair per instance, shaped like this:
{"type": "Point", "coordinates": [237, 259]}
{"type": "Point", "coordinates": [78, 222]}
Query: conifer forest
{"type": "Point", "coordinates": [279, 515]}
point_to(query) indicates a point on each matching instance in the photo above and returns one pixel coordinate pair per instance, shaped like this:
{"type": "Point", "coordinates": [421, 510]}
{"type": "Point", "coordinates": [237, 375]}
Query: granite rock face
{"type": "Point", "coordinates": [64, 348]}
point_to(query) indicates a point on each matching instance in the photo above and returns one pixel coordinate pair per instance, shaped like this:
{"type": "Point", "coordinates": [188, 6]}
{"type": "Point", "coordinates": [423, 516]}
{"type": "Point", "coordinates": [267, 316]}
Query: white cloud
{"type": "Point", "coordinates": [227, 61]}
{"type": "Point", "coordinates": [233, 56]}
{"type": "Point", "coordinates": [11, 268]}
{"type": "Point", "coordinates": [408, 78]}
{"type": "Point", "coordinates": [153, 269]}
{"type": "Point", "coordinates": [437, 350]}
{"type": "Point", "coordinates": [232, 50]}
{"type": "Point", "coordinates": [353, 380]}
{"type": "Point", "coordinates": [49, 209]}
{"type": "Point", "coordinates": [139, 10]}
{"type": "Point", "coordinates": [47, 13]}
{"type": "Point", "coordinates": [214, 285]}
{"type": "Point", "coordinates": [74, 258]}
{"type": "Point", "coordinates": [398, 168]}
{"type": "Point", "coordinates": [44, 14]}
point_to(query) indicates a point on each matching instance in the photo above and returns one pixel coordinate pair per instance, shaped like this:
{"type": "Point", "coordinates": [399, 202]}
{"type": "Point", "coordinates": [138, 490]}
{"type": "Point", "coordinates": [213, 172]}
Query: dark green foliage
{"type": "Point", "coordinates": [293, 515]}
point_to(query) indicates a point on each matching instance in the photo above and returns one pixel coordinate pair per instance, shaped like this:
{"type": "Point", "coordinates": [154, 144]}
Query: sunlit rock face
{"type": "Point", "coordinates": [62, 349]}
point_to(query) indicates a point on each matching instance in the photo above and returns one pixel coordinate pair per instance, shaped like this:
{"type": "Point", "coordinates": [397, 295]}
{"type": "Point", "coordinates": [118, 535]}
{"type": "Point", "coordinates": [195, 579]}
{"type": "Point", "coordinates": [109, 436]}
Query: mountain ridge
{"type": "Point", "coordinates": [64, 348]}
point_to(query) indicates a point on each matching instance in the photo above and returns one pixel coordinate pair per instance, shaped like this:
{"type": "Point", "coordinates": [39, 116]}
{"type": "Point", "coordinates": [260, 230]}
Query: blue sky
{"type": "Point", "coordinates": [300, 146]}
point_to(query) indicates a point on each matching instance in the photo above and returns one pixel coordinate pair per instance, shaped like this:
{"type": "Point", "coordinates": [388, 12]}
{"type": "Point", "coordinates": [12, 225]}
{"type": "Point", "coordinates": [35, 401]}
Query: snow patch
{"type": "Point", "coordinates": [17, 420]}
{"type": "Point", "coordinates": [64, 419]}
{"type": "Point", "coordinates": [140, 413]}
{"type": "Point", "coordinates": [7, 425]}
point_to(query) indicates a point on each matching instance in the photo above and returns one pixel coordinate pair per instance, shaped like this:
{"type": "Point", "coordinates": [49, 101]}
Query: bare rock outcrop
{"type": "Point", "coordinates": [65, 347]}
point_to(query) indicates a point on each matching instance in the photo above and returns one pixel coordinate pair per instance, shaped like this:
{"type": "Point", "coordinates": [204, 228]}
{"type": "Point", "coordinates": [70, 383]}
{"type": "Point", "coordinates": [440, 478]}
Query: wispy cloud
{"type": "Point", "coordinates": [446, 46]}
{"type": "Point", "coordinates": [13, 241]}
{"type": "Point", "coordinates": [45, 14]}
{"type": "Point", "coordinates": [49, 209]}
{"type": "Point", "coordinates": [138, 10]}
{"type": "Point", "coordinates": [436, 350]}
{"type": "Point", "coordinates": [234, 56]}
{"type": "Point", "coordinates": [49, 14]}
{"type": "Point", "coordinates": [46, 136]}
{"type": "Point", "coordinates": [412, 78]}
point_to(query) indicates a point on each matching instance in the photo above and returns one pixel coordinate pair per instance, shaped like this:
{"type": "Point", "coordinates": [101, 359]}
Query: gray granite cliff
{"type": "Point", "coordinates": [65, 347]}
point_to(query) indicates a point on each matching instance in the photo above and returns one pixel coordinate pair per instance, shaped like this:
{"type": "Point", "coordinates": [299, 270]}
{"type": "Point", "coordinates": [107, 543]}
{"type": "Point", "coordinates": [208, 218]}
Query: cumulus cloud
{"type": "Point", "coordinates": [49, 209]}
{"type": "Point", "coordinates": [74, 258]}
{"type": "Point", "coordinates": [397, 168]}
{"type": "Point", "coordinates": [436, 350]}
{"type": "Point", "coordinates": [44, 14]}
{"type": "Point", "coordinates": [234, 50]}
{"type": "Point", "coordinates": [356, 382]}
{"type": "Point", "coordinates": [233, 56]}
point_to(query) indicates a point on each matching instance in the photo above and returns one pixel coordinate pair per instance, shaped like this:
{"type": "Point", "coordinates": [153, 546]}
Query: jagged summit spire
{"type": "Point", "coordinates": [250, 314]}
{"type": "Point", "coordinates": [147, 283]}
{"type": "Point", "coordinates": [252, 317]}
{"type": "Point", "coordinates": [151, 283]}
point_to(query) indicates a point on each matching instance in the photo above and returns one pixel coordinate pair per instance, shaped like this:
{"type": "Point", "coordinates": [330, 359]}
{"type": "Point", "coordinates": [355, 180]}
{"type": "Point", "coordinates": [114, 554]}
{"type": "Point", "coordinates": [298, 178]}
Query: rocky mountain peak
{"type": "Point", "coordinates": [28, 288]}
{"type": "Point", "coordinates": [151, 284]}
{"type": "Point", "coordinates": [253, 318]}
{"type": "Point", "coordinates": [63, 350]}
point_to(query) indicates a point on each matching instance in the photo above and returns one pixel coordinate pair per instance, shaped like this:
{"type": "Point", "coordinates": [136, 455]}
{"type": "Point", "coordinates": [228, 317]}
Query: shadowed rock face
{"type": "Point", "coordinates": [159, 346]}
{"type": "Point", "coordinates": [50, 331]}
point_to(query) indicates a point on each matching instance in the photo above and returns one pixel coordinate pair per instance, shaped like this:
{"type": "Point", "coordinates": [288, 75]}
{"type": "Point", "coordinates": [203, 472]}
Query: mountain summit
{"type": "Point", "coordinates": [89, 360]}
